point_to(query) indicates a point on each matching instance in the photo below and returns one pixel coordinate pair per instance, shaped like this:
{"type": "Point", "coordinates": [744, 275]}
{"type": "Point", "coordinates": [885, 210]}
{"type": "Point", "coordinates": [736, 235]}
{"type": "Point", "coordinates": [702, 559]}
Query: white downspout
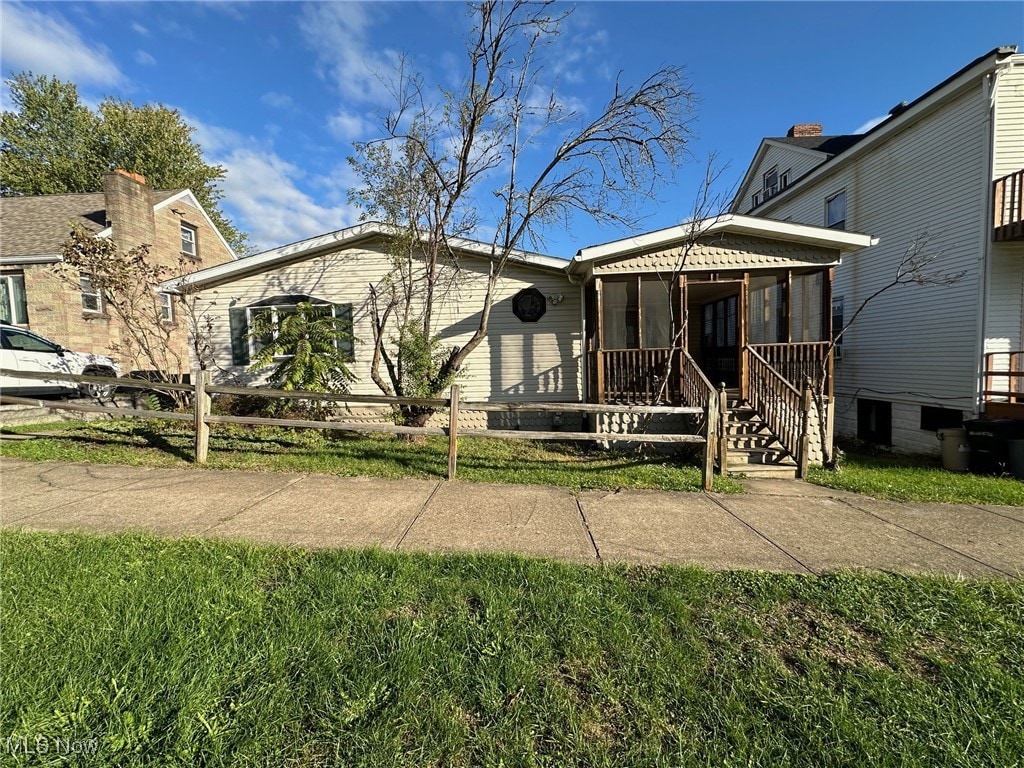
{"type": "Point", "coordinates": [989, 84]}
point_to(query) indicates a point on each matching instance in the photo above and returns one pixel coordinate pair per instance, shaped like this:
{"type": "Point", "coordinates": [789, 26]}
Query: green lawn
{"type": "Point", "coordinates": [480, 460]}
{"type": "Point", "coordinates": [182, 653]}
{"type": "Point", "coordinates": [917, 478]}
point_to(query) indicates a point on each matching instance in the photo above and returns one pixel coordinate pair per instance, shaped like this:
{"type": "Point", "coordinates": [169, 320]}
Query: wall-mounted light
{"type": "Point", "coordinates": [555, 298]}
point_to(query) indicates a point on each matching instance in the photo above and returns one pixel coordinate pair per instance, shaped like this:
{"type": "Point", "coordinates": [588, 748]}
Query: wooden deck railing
{"type": "Point", "coordinates": [1003, 390]}
{"type": "Point", "coordinates": [1008, 207]}
{"type": "Point", "coordinates": [797, 362]}
{"type": "Point", "coordinates": [784, 408]}
{"type": "Point", "coordinates": [635, 376]}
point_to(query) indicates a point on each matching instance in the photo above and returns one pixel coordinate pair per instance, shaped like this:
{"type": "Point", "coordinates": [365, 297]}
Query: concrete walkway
{"type": "Point", "coordinates": [776, 526]}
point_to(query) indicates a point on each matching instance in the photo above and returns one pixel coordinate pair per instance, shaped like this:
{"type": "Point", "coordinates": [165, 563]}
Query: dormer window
{"type": "Point", "coordinates": [188, 241]}
{"type": "Point", "coordinates": [772, 183]}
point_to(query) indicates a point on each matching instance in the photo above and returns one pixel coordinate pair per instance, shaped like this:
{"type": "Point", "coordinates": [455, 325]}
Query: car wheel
{"type": "Point", "coordinates": [95, 390]}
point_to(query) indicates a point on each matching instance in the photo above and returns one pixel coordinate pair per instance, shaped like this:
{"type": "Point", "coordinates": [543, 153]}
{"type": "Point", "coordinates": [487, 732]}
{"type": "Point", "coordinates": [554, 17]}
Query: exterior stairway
{"type": "Point", "coordinates": [753, 449]}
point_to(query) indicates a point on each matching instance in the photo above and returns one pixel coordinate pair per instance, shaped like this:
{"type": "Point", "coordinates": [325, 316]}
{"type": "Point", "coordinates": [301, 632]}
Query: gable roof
{"type": "Point", "coordinates": [37, 225]}
{"type": "Point", "coordinates": [839, 239]}
{"type": "Point", "coordinates": [342, 238]}
{"type": "Point", "coordinates": [898, 118]}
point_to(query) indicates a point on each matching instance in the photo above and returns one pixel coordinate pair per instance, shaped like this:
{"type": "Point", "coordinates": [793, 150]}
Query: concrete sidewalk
{"type": "Point", "coordinates": [776, 526]}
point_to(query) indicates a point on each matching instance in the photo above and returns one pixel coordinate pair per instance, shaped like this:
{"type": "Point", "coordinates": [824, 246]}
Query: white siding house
{"type": "Point", "coordinates": [912, 361]}
{"type": "Point", "coordinates": [517, 361]}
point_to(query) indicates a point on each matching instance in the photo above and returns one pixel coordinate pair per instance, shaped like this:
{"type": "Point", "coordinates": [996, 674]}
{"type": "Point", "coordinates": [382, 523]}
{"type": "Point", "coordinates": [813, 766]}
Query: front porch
{"type": "Point", "coordinates": [739, 311]}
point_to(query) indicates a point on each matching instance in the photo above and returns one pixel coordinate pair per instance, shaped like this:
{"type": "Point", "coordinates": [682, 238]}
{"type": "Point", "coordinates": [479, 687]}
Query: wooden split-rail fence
{"type": "Point", "coordinates": [201, 417]}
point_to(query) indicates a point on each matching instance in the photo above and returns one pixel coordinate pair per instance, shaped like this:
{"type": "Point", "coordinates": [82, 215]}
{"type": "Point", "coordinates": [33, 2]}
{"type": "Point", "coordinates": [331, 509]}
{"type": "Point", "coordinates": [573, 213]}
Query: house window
{"type": "Point", "coordinates": [874, 421]}
{"type": "Point", "coordinates": [835, 211]}
{"type": "Point", "coordinates": [637, 314]}
{"type": "Point", "coordinates": [91, 299]}
{"type": "Point", "coordinates": [275, 309]}
{"type": "Point", "coordinates": [529, 305]}
{"type": "Point", "coordinates": [771, 183]}
{"type": "Point", "coordinates": [188, 241]}
{"type": "Point", "coordinates": [13, 307]}
{"type": "Point", "coordinates": [838, 321]}
{"type": "Point", "coordinates": [166, 308]}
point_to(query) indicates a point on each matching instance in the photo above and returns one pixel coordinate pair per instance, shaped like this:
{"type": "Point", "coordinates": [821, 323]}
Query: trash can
{"type": "Point", "coordinates": [955, 450]}
{"type": "Point", "coordinates": [1016, 451]}
{"type": "Point", "coordinates": [989, 444]}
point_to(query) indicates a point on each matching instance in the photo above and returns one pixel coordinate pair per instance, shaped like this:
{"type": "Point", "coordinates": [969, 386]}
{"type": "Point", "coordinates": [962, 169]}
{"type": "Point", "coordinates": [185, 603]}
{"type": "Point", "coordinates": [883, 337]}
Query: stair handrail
{"type": "Point", "coordinates": [782, 406]}
{"type": "Point", "coordinates": [697, 390]}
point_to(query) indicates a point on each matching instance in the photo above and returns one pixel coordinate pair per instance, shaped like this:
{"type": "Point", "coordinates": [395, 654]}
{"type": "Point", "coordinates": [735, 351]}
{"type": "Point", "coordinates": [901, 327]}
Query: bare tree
{"type": "Point", "coordinates": [129, 284]}
{"type": "Point", "coordinates": [919, 266]}
{"type": "Point", "coordinates": [433, 170]}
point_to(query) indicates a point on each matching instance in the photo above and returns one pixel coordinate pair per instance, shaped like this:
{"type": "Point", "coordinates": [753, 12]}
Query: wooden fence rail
{"type": "Point", "coordinates": [202, 418]}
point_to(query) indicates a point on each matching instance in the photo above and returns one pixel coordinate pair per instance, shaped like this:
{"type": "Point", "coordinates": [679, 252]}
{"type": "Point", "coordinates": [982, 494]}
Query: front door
{"type": "Point", "coordinates": [720, 352]}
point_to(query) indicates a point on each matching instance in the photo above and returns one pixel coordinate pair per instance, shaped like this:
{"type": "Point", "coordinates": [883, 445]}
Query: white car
{"type": "Point", "coordinates": [22, 350]}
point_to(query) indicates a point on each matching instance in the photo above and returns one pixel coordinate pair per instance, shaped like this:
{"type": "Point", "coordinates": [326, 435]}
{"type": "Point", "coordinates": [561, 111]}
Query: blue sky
{"type": "Point", "coordinates": [278, 91]}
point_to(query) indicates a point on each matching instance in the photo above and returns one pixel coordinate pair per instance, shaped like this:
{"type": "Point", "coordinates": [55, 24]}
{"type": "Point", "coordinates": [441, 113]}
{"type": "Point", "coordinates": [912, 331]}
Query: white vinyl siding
{"type": "Point", "coordinates": [917, 344]}
{"type": "Point", "coordinates": [796, 161]}
{"type": "Point", "coordinates": [1008, 152]}
{"type": "Point", "coordinates": [516, 361]}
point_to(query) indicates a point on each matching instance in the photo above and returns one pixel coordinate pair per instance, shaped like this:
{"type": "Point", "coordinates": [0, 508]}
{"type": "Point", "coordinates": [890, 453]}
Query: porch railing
{"type": "Point", "coordinates": [798, 362]}
{"type": "Point", "coordinates": [696, 389]}
{"type": "Point", "coordinates": [1008, 207]}
{"type": "Point", "coordinates": [635, 376]}
{"type": "Point", "coordinates": [784, 408]}
{"type": "Point", "coordinates": [1003, 390]}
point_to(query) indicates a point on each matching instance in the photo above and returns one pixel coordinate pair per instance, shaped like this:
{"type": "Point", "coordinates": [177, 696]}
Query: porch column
{"type": "Point", "coordinates": [742, 311]}
{"type": "Point", "coordinates": [599, 352]}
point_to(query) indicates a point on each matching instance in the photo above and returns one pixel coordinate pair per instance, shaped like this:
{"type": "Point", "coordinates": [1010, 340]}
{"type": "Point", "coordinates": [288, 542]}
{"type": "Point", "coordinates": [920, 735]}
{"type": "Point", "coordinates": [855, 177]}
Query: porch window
{"type": "Point", "coordinates": [766, 320]}
{"type": "Point", "coordinates": [805, 298]}
{"type": "Point", "coordinates": [637, 313]}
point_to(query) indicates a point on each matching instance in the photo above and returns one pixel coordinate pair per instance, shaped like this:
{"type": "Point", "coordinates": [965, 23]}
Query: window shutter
{"type": "Point", "coordinates": [239, 336]}
{"type": "Point", "coordinates": [346, 345]}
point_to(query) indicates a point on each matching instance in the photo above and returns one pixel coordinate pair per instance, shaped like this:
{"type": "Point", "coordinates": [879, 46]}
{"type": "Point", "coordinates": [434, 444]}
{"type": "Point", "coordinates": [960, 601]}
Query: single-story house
{"type": "Point", "coordinates": [606, 326]}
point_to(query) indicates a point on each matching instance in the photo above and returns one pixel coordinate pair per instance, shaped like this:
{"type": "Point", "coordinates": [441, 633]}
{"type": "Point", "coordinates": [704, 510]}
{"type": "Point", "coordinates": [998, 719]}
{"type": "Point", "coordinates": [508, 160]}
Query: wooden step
{"type": "Point", "coordinates": [774, 471]}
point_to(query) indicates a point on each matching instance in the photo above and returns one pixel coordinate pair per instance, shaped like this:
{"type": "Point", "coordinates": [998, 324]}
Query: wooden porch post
{"type": "Point", "coordinates": [744, 296]}
{"type": "Point", "coordinates": [598, 352]}
{"type": "Point", "coordinates": [684, 333]}
{"type": "Point", "coordinates": [829, 330]}
{"type": "Point", "coordinates": [787, 305]}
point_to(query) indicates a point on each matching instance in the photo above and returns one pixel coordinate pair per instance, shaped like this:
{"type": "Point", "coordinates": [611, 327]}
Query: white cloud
{"type": "Point", "coordinates": [338, 33]}
{"type": "Point", "coordinates": [348, 126]}
{"type": "Point", "coordinates": [139, 29]}
{"type": "Point", "coordinates": [145, 58]}
{"type": "Point", "coordinates": [48, 44]}
{"type": "Point", "coordinates": [265, 194]}
{"type": "Point", "coordinates": [277, 100]}
{"type": "Point", "coordinates": [871, 124]}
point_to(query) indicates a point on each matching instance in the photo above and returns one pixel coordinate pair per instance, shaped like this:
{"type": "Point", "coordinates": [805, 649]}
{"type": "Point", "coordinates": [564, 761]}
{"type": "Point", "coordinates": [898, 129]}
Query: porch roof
{"type": "Point", "coordinates": [800, 234]}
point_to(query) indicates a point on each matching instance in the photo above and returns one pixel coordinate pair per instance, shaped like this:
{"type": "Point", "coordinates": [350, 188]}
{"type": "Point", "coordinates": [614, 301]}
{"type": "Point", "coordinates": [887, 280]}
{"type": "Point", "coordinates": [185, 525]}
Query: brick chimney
{"type": "Point", "coordinates": [804, 129]}
{"type": "Point", "coordinates": [129, 204]}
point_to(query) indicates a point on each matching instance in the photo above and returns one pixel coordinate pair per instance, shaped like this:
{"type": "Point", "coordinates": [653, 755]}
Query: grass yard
{"type": "Point", "coordinates": [203, 653]}
{"type": "Point", "coordinates": [480, 460]}
{"type": "Point", "coordinates": [917, 478]}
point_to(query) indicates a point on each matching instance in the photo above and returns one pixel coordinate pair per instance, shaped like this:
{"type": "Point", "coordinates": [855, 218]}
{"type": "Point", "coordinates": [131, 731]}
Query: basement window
{"type": "Point", "coordinates": [874, 421]}
{"type": "Point", "coordinates": [934, 418]}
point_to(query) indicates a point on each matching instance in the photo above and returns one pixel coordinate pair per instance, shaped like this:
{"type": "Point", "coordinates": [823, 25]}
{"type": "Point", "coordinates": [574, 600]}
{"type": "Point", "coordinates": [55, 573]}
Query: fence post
{"type": "Point", "coordinates": [723, 431]}
{"type": "Point", "coordinates": [453, 431]}
{"type": "Point", "coordinates": [805, 431]}
{"type": "Point", "coordinates": [711, 425]}
{"type": "Point", "coordinates": [202, 409]}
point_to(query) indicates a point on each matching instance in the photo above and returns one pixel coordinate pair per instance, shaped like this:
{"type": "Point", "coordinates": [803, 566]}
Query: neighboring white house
{"type": "Point", "coordinates": [949, 165]}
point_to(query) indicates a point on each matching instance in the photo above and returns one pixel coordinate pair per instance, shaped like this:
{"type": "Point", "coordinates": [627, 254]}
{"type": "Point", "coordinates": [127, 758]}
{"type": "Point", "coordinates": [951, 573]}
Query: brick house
{"type": "Point", "coordinates": [33, 229]}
